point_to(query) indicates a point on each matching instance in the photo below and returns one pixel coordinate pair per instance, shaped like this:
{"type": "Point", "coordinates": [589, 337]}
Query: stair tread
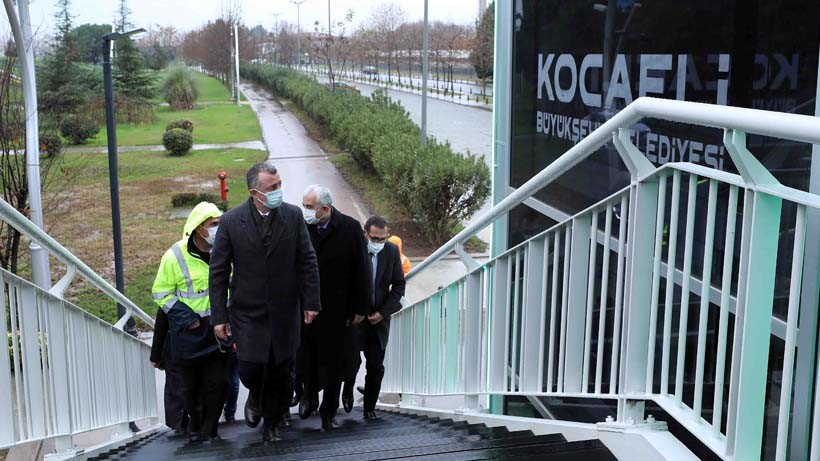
{"type": "Point", "coordinates": [393, 436]}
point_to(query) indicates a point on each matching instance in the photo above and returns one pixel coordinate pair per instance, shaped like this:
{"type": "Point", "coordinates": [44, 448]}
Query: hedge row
{"type": "Point", "coordinates": [441, 188]}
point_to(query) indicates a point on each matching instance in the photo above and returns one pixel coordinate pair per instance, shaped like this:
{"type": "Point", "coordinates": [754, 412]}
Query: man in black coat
{"type": "Point", "coordinates": [371, 338]}
{"type": "Point", "coordinates": [344, 269]}
{"type": "Point", "coordinates": [263, 255]}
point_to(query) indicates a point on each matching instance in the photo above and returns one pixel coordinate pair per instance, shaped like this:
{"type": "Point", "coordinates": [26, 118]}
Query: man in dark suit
{"type": "Point", "coordinates": [263, 255]}
{"type": "Point", "coordinates": [344, 271]}
{"type": "Point", "coordinates": [388, 288]}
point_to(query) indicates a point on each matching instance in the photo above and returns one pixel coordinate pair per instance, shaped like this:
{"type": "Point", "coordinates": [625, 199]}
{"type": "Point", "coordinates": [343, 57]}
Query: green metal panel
{"type": "Point", "coordinates": [756, 329]}
{"type": "Point", "coordinates": [436, 360]}
{"type": "Point", "coordinates": [450, 306]}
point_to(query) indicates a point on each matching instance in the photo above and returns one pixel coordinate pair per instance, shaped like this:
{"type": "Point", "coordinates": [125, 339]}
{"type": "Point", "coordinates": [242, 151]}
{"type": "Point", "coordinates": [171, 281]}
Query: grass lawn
{"type": "Point", "coordinates": [148, 180]}
{"type": "Point", "coordinates": [215, 123]}
{"type": "Point", "coordinates": [211, 89]}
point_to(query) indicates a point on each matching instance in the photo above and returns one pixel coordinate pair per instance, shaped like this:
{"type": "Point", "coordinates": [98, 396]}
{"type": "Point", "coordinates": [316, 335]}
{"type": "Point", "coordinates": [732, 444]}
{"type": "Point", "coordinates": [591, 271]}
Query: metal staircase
{"type": "Point", "coordinates": [393, 436]}
{"type": "Point", "coordinates": [619, 303]}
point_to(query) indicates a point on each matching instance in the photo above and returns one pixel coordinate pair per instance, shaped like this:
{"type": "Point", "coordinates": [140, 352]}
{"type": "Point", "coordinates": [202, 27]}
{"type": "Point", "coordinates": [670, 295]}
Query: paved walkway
{"type": "Point", "coordinates": [255, 145]}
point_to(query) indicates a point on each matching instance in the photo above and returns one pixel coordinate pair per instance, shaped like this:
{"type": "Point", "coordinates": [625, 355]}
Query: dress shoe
{"type": "Point", "coordinates": [197, 438]}
{"type": "Point", "coordinates": [229, 419]}
{"type": "Point", "coordinates": [305, 407]}
{"type": "Point", "coordinates": [285, 421]}
{"type": "Point", "coordinates": [329, 423]}
{"type": "Point", "coordinates": [360, 389]}
{"type": "Point", "coordinates": [370, 414]}
{"type": "Point", "coordinates": [253, 412]}
{"type": "Point", "coordinates": [271, 434]}
{"type": "Point", "coordinates": [347, 399]}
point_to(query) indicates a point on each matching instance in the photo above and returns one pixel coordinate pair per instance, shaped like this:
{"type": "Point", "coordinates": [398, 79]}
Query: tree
{"type": "Point", "coordinates": [88, 40]}
{"type": "Point", "coordinates": [385, 21]}
{"type": "Point", "coordinates": [13, 180]}
{"type": "Point", "coordinates": [482, 53]}
{"type": "Point", "coordinates": [160, 46]}
{"type": "Point", "coordinates": [134, 84]}
{"type": "Point", "coordinates": [59, 87]}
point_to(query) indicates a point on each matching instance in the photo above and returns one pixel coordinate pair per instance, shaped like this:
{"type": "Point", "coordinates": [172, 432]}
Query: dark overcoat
{"type": "Point", "coordinates": [389, 289]}
{"type": "Point", "coordinates": [266, 284]}
{"type": "Point", "coordinates": [344, 269]}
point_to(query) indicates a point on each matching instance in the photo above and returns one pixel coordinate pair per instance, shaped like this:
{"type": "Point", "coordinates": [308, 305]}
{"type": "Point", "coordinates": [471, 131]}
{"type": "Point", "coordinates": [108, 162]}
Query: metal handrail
{"type": "Point", "coordinates": [28, 228]}
{"type": "Point", "coordinates": [775, 124]}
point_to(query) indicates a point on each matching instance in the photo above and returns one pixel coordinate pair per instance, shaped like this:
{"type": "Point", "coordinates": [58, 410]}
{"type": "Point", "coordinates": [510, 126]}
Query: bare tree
{"type": "Point", "coordinates": [385, 22]}
{"type": "Point", "coordinates": [410, 35]}
{"type": "Point", "coordinates": [13, 177]}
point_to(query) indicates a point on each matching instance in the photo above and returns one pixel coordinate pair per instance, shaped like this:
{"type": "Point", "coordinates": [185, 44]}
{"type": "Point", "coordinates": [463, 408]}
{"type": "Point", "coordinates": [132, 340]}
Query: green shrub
{"type": "Point", "coordinates": [179, 88]}
{"type": "Point", "coordinates": [446, 189]}
{"type": "Point", "coordinates": [79, 128]}
{"type": "Point", "coordinates": [442, 187]}
{"type": "Point", "coordinates": [177, 141]}
{"type": "Point", "coordinates": [50, 144]}
{"type": "Point", "coordinates": [191, 199]}
{"type": "Point", "coordinates": [185, 124]}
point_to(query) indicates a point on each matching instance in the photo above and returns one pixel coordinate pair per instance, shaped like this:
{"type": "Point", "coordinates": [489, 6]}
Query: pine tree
{"type": "Point", "coordinates": [133, 82]}
{"type": "Point", "coordinates": [60, 93]}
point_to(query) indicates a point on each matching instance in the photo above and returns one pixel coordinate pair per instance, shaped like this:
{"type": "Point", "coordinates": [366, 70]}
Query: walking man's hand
{"type": "Point", "coordinates": [309, 316]}
{"type": "Point", "coordinates": [222, 331]}
{"type": "Point", "coordinates": [375, 318]}
{"type": "Point", "coordinates": [357, 319]}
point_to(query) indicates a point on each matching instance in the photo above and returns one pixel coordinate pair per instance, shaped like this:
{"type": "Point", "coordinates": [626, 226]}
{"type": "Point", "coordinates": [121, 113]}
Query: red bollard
{"type": "Point", "coordinates": [223, 186]}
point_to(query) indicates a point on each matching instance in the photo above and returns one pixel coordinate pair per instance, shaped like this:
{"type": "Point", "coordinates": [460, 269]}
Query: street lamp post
{"type": "Point", "coordinates": [21, 29]}
{"type": "Point", "coordinates": [298, 4]}
{"type": "Point", "coordinates": [425, 69]}
{"type": "Point", "coordinates": [275, 36]}
{"type": "Point", "coordinates": [236, 57]}
{"type": "Point", "coordinates": [111, 135]}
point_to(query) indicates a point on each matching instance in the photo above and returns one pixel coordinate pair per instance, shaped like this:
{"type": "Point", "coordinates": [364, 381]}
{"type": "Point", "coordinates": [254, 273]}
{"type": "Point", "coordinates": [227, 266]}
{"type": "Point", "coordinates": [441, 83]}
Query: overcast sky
{"type": "Point", "coordinates": [189, 14]}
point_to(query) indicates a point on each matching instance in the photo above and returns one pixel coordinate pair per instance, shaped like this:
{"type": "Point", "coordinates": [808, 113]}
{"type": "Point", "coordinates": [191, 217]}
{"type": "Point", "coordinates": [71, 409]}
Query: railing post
{"type": "Point", "coordinates": [638, 300]}
{"type": "Point", "coordinates": [473, 339]}
{"type": "Point", "coordinates": [755, 330]}
{"type": "Point", "coordinates": [63, 449]}
{"type": "Point", "coordinates": [576, 309]}
{"type": "Point", "coordinates": [534, 309]}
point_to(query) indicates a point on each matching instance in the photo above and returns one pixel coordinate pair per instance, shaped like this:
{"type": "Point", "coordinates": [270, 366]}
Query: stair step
{"type": "Point", "coordinates": [392, 436]}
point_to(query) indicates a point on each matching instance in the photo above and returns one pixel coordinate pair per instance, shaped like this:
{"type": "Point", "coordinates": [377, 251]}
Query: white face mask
{"type": "Point", "coordinates": [374, 248]}
{"type": "Point", "coordinates": [211, 235]}
{"type": "Point", "coordinates": [310, 216]}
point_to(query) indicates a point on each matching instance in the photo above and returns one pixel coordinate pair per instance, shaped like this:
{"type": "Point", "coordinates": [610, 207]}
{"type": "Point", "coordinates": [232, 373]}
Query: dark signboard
{"type": "Point", "coordinates": [577, 63]}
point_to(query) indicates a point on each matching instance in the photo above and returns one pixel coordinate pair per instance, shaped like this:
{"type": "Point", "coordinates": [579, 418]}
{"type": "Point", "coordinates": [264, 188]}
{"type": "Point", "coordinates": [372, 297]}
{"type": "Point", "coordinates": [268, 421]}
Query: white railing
{"type": "Point", "coordinates": [65, 371]}
{"type": "Point", "coordinates": [599, 305]}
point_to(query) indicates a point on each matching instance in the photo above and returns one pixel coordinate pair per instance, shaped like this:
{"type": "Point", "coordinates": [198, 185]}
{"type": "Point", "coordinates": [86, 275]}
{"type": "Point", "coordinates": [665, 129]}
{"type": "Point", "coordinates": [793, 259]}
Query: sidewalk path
{"type": "Point", "coordinates": [255, 145]}
{"type": "Point", "coordinates": [300, 160]}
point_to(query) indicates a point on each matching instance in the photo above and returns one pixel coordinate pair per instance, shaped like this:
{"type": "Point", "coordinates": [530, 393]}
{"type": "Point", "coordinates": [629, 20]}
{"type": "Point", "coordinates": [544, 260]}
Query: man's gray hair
{"type": "Point", "coordinates": [253, 173]}
{"type": "Point", "coordinates": [323, 195]}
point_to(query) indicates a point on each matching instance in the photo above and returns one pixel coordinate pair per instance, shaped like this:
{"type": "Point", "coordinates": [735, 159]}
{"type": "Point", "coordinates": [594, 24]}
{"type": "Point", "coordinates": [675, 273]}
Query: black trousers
{"type": "Point", "coordinates": [175, 415]}
{"type": "Point", "coordinates": [320, 368]}
{"type": "Point", "coordinates": [270, 385]}
{"type": "Point", "coordinates": [203, 390]}
{"type": "Point", "coordinates": [366, 340]}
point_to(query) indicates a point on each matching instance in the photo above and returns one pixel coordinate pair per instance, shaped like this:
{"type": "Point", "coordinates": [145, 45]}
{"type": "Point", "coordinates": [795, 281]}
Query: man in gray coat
{"type": "Point", "coordinates": [263, 257]}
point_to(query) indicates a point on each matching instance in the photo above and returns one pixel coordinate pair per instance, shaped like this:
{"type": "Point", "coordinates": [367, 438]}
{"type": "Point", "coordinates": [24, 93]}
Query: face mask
{"type": "Point", "coordinates": [273, 199]}
{"type": "Point", "coordinates": [211, 235]}
{"type": "Point", "coordinates": [310, 216]}
{"type": "Point", "coordinates": [375, 248]}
